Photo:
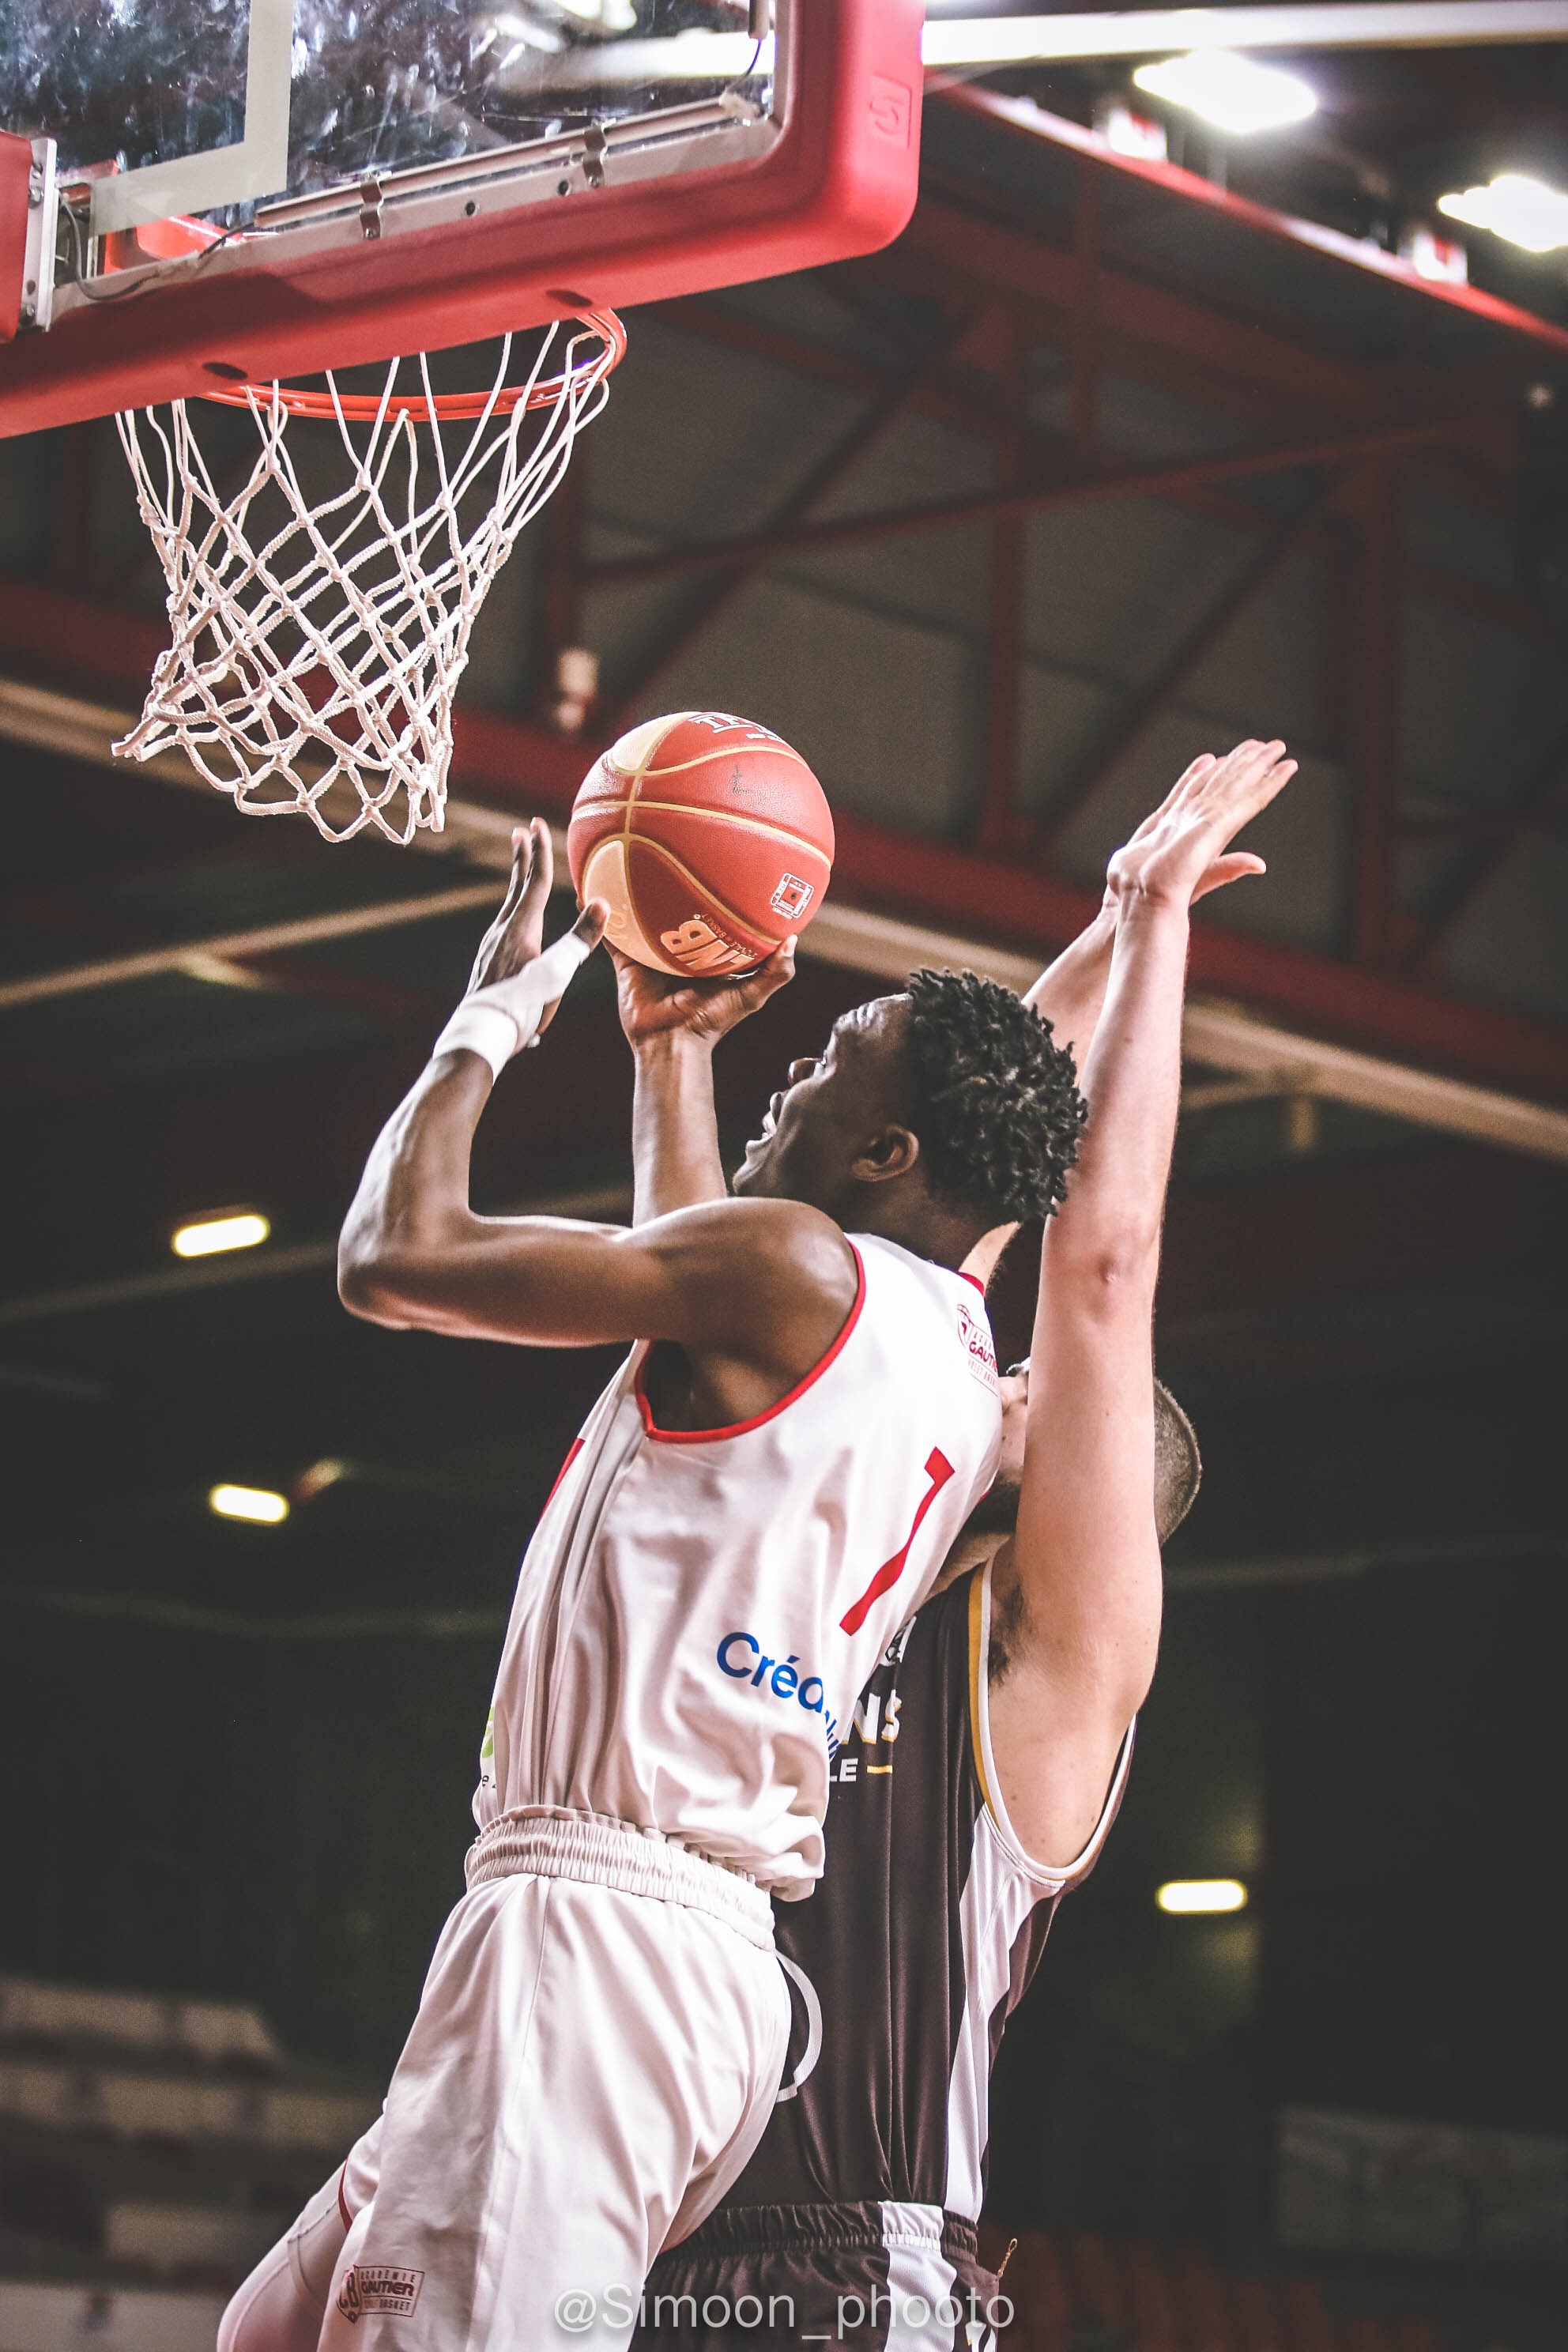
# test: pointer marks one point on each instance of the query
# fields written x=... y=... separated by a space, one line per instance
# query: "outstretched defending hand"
x=656 y=1004
x=1180 y=853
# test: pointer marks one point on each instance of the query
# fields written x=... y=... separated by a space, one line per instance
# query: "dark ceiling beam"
x=958 y=400
x=1149 y=707
x=1376 y=502
x=808 y=540
x=1243 y=365
x=512 y=765
x=718 y=596
x=1334 y=1228
x=1530 y=805
x=994 y=255
x=1005 y=646
x=72 y=557
x=558 y=615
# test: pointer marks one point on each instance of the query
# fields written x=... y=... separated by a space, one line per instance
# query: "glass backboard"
x=208 y=107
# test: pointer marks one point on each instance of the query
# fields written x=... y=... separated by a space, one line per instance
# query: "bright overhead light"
x=1524 y=211
x=1228 y=90
x=1202 y=1895
x=209 y=1234
x=263 y=1509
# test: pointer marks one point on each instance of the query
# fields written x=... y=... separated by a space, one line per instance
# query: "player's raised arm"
x=672 y=1026
x=765 y=1283
x=1077 y=1589
x=1070 y=994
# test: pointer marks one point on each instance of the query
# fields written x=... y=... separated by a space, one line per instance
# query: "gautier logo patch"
x=379 y=2287
x=974 y=1338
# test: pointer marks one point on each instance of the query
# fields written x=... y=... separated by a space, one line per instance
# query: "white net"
x=318 y=639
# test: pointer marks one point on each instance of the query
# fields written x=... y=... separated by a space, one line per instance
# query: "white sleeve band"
x=497 y=1022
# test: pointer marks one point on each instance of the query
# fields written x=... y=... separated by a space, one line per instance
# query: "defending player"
x=990 y=1748
x=754 y=1505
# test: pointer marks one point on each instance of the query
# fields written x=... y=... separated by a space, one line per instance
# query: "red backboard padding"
x=840 y=180
x=16 y=171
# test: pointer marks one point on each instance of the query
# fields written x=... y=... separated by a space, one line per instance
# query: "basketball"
x=707 y=837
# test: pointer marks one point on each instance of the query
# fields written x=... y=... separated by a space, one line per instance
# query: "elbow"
x=368 y=1284
x=1112 y=1271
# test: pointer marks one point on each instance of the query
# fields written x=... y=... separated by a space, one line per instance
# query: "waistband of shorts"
x=548 y=1842
x=851 y=2228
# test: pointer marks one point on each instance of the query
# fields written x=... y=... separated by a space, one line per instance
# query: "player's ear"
x=893 y=1152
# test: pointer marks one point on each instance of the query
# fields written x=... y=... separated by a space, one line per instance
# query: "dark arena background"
x=1108 y=460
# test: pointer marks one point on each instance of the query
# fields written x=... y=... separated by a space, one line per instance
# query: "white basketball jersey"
x=698 y=1609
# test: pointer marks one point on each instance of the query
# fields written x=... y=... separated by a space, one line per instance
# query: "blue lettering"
x=740 y=1673
x=761 y=1670
x=785 y=1678
x=812 y=1682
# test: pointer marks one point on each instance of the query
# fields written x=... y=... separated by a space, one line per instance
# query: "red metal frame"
x=1033 y=122
x=840 y=180
x=16 y=174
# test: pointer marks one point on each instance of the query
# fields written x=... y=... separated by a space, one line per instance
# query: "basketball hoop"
x=317 y=642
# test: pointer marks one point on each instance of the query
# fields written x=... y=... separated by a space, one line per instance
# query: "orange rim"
x=364 y=407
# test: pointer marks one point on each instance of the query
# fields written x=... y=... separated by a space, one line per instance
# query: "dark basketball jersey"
x=904 y=1967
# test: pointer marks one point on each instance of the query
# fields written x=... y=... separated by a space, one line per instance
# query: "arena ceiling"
x=1100 y=465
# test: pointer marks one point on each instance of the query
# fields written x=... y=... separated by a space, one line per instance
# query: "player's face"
x=832 y=1112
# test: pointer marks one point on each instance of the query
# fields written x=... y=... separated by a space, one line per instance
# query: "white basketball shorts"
x=593 y=2063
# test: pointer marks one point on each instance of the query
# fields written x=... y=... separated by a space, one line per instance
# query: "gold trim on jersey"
x=978 y=1631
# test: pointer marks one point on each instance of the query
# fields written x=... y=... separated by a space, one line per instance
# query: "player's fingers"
x=521 y=857
x=590 y=925
x=1185 y=782
x=539 y=879
x=769 y=977
x=1235 y=867
x=1248 y=782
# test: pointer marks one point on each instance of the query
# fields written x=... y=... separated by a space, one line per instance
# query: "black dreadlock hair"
x=995 y=1103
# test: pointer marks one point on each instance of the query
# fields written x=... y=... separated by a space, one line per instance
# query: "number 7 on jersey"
x=939 y=1470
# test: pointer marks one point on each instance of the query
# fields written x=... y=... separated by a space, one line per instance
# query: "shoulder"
x=770 y=1280
x=787 y=1234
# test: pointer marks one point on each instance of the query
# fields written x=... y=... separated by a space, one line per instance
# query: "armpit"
x=1009 y=1621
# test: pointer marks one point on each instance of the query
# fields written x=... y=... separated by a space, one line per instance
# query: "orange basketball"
x=709 y=839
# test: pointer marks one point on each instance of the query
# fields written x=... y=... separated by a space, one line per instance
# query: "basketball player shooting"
x=765 y=1491
x=805 y=2221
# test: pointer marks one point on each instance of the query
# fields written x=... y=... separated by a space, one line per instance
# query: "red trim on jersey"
x=573 y=1451
x=343 y=2201
x=974 y=1278
x=740 y=1428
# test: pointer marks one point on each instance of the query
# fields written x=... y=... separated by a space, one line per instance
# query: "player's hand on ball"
x=655 y=1004
x=1181 y=851
x=516 y=936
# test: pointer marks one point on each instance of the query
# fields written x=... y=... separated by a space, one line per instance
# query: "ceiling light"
x=1228 y=90
x=1441 y=259
x=1202 y=1895
x=209 y=1234
x=254 y=1503
x=1524 y=211
x=1131 y=134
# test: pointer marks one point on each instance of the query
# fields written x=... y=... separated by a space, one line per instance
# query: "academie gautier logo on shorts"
x=379 y=2287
